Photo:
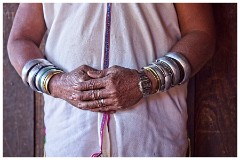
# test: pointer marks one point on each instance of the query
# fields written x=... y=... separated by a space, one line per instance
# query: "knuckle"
x=91 y=81
x=96 y=103
x=79 y=105
x=84 y=78
x=80 y=96
x=82 y=85
x=116 y=102
x=89 y=94
x=112 y=93
x=84 y=66
x=111 y=80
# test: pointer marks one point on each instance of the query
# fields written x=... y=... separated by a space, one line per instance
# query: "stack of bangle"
x=37 y=73
x=170 y=70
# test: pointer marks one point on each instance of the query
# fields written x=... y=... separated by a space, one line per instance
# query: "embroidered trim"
x=106 y=116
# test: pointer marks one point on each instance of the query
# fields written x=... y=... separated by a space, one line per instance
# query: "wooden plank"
x=39 y=125
x=216 y=91
x=18 y=101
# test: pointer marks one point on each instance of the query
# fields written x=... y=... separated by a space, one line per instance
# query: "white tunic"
x=140 y=33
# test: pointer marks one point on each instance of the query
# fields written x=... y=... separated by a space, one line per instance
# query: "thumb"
x=97 y=74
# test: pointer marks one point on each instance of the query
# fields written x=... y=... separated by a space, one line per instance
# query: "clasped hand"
x=109 y=90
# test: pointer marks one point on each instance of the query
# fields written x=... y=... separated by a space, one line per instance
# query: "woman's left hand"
x=112 y=89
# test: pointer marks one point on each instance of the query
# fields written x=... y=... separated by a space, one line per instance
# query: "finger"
x=90 y=85
x=90 y=95
x=87 y=105
x=111 y=112
x=109 y=109
x=87 y=68
x=79 y=76
x=97 y=74
x=103 y=110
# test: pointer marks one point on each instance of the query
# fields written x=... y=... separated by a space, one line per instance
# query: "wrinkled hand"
x=62 y=85
x=112 y=89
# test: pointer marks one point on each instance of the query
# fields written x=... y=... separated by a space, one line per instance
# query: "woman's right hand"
x=62 y=85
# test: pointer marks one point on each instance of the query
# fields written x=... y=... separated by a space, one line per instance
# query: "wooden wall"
x=212 y=97
x=216 y=91
x=23 y=128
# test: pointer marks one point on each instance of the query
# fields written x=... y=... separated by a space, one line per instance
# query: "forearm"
x=21 y=50
x=26 y=35
x=198 y=47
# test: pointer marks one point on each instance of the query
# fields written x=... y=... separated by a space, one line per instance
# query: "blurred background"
x=212 y=97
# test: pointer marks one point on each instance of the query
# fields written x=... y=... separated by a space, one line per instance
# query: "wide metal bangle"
x=184 y=63
x=29 y=65
x=26 y=69
x=174 y=67
x=32 y=74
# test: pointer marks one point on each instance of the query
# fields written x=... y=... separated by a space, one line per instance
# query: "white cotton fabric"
x=140 y=33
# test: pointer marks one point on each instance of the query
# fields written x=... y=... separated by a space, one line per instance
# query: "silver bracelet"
x=167 y=75
x=173 y=66
x=40 y=74
x=26 y=69
x=32 y=74
x=184 y=63
x=29 y=65
x=160 y=73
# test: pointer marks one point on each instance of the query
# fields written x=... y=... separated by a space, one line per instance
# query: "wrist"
x=53 y=85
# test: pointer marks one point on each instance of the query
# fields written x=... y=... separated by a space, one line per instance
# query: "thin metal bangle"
x=157 y=78
x=184 y=63
x=32 y=74
x=160 y=74
x=29 y=65
x=39 y=75
x=44 y=75
x=47 y=79
x=167 y=74
x=42 y=79
x=173 y=66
